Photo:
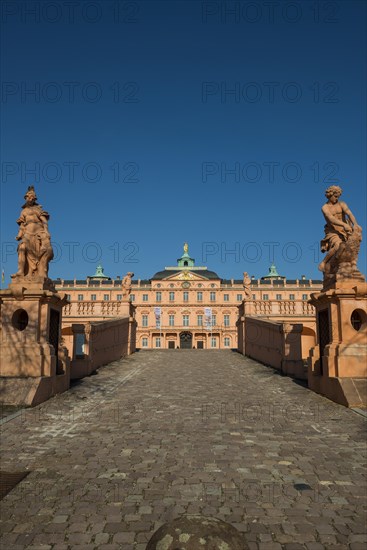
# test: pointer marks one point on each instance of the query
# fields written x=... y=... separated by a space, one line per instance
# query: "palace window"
x=212 y=296
x=145 y=297
x=226 y=320
x=304 y=296
x=158 y=342
x=227 y=342
x=265 y=296
x=119 y=297
x=93 y=297
x=68 y=296
x=144 y=320
x=199 y=296
x=226 y=297
x=239 y=297
x=185 y=296
x=213 y=342
x=106 y=297
x=292 y=296
x=185 y=320
x=214 y=320
x=132 y=297
x=200 y=320
x=171 y=320
x=254 y=296
x=144 y=342
x=171 y=296
x=158 y=296
x=80 y=297
x=278 y=297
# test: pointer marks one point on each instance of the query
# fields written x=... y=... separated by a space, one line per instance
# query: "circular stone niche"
x=358 y=319
x=20 y=319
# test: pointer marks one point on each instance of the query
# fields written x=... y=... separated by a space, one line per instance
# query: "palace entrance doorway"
x=186 y=340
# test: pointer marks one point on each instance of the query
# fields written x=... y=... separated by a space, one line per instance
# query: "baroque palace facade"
x=188 y=306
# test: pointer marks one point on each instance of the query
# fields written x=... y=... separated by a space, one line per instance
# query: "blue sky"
x=217 y=123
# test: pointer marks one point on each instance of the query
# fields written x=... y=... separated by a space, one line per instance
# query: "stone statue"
x=247 y=286
x=126 y=284
x=342 y=239
x=35 y=250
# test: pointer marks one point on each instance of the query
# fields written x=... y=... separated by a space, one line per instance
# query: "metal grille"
x=8 y=480
x=185 y=340
x=324 y=332
x=53 y=334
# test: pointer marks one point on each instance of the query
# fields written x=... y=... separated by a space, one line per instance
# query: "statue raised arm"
x=342 y=238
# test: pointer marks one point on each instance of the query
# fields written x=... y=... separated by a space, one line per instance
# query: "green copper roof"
x=273 y=273
x=99 y=273
x=185 y=260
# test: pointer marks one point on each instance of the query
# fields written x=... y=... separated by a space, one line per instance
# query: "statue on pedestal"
x=126 y=285
x=337 y=363
x=34 y=364
x=35 y=250
x=342 y=239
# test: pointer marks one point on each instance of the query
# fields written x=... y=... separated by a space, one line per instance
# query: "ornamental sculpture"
x=35 y=250
x=342 y=240
x=126 y=285
x=247 y=285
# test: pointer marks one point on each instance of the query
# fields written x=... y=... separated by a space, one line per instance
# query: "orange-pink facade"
x=185 y=306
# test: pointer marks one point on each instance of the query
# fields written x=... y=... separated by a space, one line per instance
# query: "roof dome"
x=273 y=273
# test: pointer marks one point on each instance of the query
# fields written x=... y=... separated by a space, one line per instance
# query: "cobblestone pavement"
x=166 y=432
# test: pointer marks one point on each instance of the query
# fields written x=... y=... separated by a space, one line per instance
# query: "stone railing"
x=308 y=309
x=96 y=343
x=263 y=307
x=280 y=307
x=277 y=344
x=95 y=309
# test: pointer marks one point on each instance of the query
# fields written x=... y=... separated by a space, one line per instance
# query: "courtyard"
x=162 y=433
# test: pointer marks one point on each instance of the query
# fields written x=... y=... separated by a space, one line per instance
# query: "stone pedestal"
x=245 y=309
x=337 y=365
x=34 y=365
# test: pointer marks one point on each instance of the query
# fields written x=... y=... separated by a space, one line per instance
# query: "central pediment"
x=186 y=276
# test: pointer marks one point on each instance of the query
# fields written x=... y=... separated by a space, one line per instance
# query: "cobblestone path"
x=166 y=432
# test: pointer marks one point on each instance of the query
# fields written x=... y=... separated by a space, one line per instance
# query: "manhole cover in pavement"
x=8 y=480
